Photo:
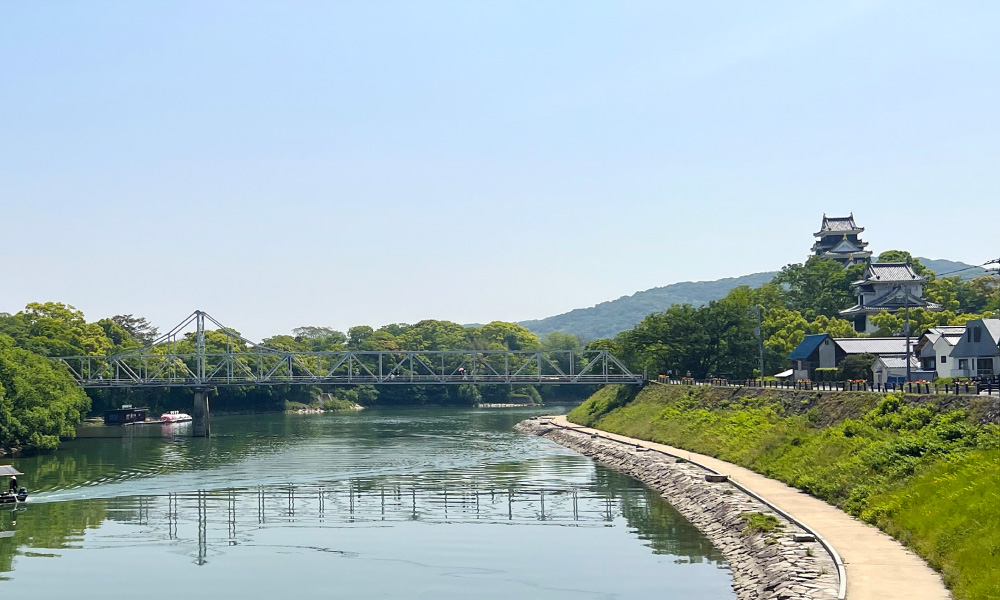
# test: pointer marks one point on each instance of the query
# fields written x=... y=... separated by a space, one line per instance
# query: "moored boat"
x=175 y=417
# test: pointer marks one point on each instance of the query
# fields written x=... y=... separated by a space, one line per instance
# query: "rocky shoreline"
x=779 y=561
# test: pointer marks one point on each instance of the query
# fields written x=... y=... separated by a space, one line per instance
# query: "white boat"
x=175 y=417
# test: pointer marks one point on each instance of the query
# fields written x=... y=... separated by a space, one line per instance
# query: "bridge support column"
x=202 y=423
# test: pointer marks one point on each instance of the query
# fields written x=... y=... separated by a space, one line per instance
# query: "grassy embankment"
x=928 y=476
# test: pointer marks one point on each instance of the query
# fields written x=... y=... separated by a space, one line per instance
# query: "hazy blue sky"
x=320 y=163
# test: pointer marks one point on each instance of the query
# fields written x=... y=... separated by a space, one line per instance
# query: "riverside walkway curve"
x=877 y=566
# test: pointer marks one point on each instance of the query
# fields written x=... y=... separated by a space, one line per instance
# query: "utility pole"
x=995 y=261
x=760 y=339
x=907 y=327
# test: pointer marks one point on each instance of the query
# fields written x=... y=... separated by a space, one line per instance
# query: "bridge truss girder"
x=452 y=367
x=243 y=362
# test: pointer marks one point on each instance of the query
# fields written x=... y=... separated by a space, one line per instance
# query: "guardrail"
x=974 y=388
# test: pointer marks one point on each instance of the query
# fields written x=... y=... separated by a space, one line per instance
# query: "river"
x=428 y=503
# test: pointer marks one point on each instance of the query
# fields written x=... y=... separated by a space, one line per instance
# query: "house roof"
x=898 y=361
x=950 y=333
x=993 y=326
x=987 y=344
x=807 y=346
x=892 y=345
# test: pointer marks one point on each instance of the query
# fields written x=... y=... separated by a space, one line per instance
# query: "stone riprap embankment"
x=765 y=564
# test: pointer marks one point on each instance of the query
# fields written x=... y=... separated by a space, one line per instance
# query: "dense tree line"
x=40 y=402
x=720 y=338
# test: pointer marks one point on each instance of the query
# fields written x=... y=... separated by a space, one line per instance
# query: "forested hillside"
x=608 y=319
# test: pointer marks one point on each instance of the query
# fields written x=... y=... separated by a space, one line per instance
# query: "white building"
x=888 y=287
x=977 y=353
x=934 y=349
x=891 y=368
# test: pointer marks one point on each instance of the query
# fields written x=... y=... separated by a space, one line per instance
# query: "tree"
x=432 y=334
x=856 y=366
x=980 y=295
x=121 y=340
x=611 y=346
x=890 y=324
x=901 y=256
x=558 y=340
x=39 y=400
x=819 y=286
x=358 y=334
x=976 y=296
x=138 y=328
x=508 y=336
x=55 y=329
x=717 y=339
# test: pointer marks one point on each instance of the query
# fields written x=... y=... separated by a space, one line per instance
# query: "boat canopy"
x=9 y=471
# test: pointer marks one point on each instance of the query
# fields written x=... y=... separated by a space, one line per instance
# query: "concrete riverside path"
x=878 y=567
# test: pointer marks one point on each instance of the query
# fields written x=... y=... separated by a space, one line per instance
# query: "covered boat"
x=15 y=494
x=175 y=417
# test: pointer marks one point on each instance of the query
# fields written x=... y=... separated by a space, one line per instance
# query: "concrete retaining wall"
x=765 y=565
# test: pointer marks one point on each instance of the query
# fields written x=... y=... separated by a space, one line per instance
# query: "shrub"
x=827 y=374
x=759 y=523
x=856 y=366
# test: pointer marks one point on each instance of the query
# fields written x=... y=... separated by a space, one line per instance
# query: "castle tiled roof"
x=846 y=246
x=885 y=272
x=896 y=299
x=833 y=224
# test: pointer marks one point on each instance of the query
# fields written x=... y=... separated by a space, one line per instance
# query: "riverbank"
x=770 y=555
x=923 y=472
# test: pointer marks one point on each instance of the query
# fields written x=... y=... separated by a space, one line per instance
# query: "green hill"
x=951 y=268
x=607 y=319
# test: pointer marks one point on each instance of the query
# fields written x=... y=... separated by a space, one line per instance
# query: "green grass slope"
x=927 y=476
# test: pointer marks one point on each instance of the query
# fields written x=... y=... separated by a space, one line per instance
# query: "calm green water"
x=379 y=504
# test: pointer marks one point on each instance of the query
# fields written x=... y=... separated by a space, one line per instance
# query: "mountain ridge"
x=607 y=319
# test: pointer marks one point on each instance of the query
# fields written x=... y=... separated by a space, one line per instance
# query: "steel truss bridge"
x=172 y=361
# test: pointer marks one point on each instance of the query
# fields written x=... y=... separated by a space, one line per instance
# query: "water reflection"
x=429 y=494
x=209 y=520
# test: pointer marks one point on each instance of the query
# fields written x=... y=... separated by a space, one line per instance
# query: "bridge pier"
x=201 y=420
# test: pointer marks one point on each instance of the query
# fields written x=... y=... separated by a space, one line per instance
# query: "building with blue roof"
x=823 y=351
